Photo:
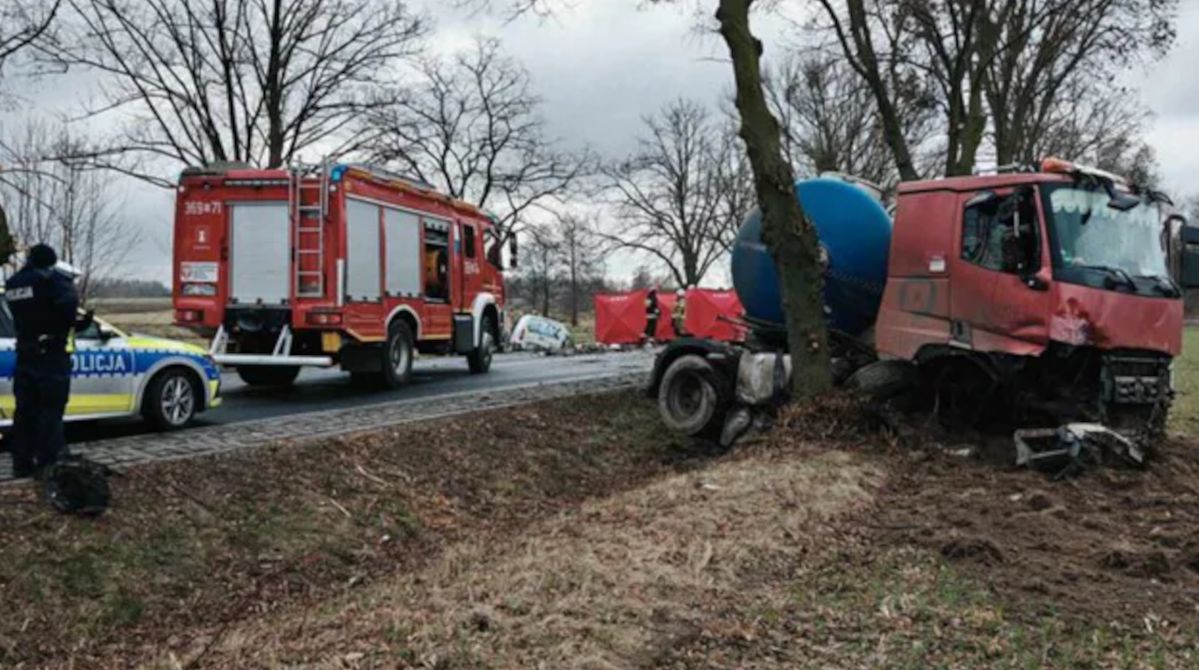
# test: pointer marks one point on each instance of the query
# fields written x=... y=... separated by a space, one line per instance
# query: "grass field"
x=143 y=316
x=1184 y=416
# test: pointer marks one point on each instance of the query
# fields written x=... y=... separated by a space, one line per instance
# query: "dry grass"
x=191 y=544
x=607 y=585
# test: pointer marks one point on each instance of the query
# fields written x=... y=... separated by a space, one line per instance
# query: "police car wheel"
x=171 y=400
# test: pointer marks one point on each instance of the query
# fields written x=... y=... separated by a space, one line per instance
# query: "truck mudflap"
x=281 y=355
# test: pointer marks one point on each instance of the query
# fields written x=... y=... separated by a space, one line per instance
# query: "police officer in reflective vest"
x=44 y=307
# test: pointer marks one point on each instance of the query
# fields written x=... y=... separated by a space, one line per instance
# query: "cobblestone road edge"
x=135 y=450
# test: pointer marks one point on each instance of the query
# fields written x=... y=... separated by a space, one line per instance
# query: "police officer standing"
x=44 y=306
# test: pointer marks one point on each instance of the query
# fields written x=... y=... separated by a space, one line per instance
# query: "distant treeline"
x=128 y=288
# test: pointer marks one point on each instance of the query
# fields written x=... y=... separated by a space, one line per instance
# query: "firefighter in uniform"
x=44 y=307
x=679 y=314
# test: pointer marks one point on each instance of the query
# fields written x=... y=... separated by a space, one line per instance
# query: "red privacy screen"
x=709 y=312
x=620 y=317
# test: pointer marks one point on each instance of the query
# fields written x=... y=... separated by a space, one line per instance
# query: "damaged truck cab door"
x=1000 y=272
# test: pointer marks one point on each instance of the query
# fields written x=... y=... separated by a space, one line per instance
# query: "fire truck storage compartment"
x=401 y=232
x=259 y=253
x=362 y=251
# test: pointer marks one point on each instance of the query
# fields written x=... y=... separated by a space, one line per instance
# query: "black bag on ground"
x=78 y=486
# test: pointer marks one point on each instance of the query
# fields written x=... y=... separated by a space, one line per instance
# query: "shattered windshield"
x=1091 y=234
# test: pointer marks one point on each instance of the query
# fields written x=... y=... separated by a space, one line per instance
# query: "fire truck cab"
x=338 y=264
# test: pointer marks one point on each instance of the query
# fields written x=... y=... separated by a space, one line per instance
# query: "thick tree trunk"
x=789 y=235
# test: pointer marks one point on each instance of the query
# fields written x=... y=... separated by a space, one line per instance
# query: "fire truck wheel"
x=268 y=375
x=397 y=360
x=480 y=358
x=688 y=397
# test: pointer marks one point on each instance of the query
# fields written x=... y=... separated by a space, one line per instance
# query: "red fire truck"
x=336 y=264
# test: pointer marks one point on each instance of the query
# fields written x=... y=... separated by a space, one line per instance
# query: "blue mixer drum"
x=855 y=232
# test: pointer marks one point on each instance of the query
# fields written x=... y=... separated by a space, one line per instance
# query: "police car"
x=114 y=374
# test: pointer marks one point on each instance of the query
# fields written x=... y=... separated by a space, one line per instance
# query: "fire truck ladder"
x=309 y=211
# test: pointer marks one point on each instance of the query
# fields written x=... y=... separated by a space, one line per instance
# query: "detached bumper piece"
x=1071 y=448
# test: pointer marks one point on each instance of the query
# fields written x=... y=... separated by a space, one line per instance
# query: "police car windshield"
x=1090 y=234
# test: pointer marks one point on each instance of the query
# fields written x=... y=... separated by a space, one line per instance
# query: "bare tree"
x=21 y=23
x=1100 y=129
x=579 y=248
x=644 y=277
x=995 y=64
x=1056 y=54
x=734 y=183
x=63 y=204
x=258 y=81
x=24 y=21
x=874 y=42
x=830 y=120
x=671 y=194
x=542 y=260
x=471 y=127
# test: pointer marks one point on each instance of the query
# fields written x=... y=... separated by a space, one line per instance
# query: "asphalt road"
x=318 y=389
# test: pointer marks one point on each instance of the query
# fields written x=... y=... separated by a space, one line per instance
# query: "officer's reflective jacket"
x=44 y=305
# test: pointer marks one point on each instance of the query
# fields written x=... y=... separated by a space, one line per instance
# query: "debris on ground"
x=1071 y=448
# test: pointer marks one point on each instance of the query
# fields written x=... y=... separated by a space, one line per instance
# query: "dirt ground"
x=578 y=534
x=963 y=563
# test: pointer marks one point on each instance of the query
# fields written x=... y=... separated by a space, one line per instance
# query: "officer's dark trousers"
x=41 y=384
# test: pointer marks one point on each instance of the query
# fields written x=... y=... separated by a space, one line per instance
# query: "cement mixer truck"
x=1033 y=296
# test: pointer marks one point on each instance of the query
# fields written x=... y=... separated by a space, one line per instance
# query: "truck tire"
x=480 y=359
x=268 y=375
x=883 y=380
x=172 y=399
x=397 y=356
x=689 y=398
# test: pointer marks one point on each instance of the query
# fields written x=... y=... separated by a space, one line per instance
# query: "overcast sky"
x=601 y=67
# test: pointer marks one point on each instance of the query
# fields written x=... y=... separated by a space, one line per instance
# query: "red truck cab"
x=334 y=265
x=1055 y=284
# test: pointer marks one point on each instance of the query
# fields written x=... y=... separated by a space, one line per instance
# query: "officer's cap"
x=43 y=256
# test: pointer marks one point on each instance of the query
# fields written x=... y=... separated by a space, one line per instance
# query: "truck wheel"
x=268 y=375
x=883 y=380
x=688 y=397
x=480 y=358
x=397 y=356
x=172 y=399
